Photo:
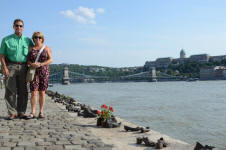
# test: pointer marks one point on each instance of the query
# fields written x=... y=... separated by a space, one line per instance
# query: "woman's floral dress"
x=41 y=78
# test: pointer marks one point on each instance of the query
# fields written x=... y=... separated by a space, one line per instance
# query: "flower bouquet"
x=104 y=114
x=105 y=117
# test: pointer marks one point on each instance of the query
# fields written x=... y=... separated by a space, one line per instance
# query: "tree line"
x=95 y=70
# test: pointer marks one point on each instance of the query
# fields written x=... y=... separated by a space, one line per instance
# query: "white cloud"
x=81 y=19
x=68 y=13
x=87 y=12
x=82 y=14
x=100 y=10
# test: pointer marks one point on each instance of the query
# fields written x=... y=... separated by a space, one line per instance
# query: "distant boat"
x=50 y=85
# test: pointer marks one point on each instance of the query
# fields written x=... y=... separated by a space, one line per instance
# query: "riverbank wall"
x=61 y=130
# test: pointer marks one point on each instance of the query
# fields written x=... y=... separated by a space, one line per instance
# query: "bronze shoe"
x=148 y=142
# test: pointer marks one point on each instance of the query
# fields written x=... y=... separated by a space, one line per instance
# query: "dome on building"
x=182 y=53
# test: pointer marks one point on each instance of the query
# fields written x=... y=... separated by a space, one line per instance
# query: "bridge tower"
x=66 y=79
x=153 y=74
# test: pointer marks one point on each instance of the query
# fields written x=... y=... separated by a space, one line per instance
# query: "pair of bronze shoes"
x=159 y=145
x=199 y=146
x=141 y=129
x=146 y=141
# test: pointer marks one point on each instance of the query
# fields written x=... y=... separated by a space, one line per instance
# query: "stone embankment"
x=58 y=131
x=62 y=130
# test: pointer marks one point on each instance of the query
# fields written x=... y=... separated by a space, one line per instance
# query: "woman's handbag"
x=30 y=74
x=31 y=70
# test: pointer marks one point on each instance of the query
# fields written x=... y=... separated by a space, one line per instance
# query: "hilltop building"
x=182 y=54
x=200 y=58
x=165 y=62
x=218 y=58
x=213 y=73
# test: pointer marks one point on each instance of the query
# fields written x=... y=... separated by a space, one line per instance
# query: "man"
x=13 y=56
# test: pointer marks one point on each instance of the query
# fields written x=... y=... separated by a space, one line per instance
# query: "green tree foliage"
x=95 y=70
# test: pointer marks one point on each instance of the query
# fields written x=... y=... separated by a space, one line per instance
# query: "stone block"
x=63 y=142
x=8 y=144
x=72 y=147
x=18 y=148
x=55 y=147
x=34 y=148
x=26 y=143
x=44 y=143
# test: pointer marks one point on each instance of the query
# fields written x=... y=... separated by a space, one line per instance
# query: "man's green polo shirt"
x=15 y=48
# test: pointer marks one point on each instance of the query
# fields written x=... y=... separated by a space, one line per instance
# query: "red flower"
x=111 y=109
x=105 y=112
x=98 y=112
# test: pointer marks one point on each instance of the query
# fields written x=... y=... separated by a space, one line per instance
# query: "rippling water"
x=189 y=111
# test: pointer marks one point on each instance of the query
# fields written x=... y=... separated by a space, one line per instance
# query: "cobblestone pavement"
x=57 y=131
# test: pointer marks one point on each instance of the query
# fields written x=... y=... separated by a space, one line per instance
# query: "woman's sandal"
x=31 y=116
x=41 y=115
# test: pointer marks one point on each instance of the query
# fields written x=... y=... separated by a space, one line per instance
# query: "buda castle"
x=166 y=61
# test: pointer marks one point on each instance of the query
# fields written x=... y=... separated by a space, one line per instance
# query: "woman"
x=40 y=82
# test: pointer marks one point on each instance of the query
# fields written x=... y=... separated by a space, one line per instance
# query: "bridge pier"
x=66 y=79
x=153 y=75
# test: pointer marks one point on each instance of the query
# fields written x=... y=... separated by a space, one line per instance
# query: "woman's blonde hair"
x=38 y=33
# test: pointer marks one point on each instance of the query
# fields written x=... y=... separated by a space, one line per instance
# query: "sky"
x=120 y=33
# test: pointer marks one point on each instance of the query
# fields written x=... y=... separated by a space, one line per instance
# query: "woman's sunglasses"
x=38 y=37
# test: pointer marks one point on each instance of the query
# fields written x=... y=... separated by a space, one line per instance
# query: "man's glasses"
x=38 y=37
x=17 y=25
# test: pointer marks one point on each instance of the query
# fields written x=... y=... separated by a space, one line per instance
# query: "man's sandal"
x=11 y=117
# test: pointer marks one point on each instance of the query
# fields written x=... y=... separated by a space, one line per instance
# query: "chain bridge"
x=66 y=77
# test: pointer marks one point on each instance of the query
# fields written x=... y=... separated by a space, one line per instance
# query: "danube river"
x=189 y=111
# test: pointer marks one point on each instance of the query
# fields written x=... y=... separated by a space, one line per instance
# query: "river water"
x=189 y=111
